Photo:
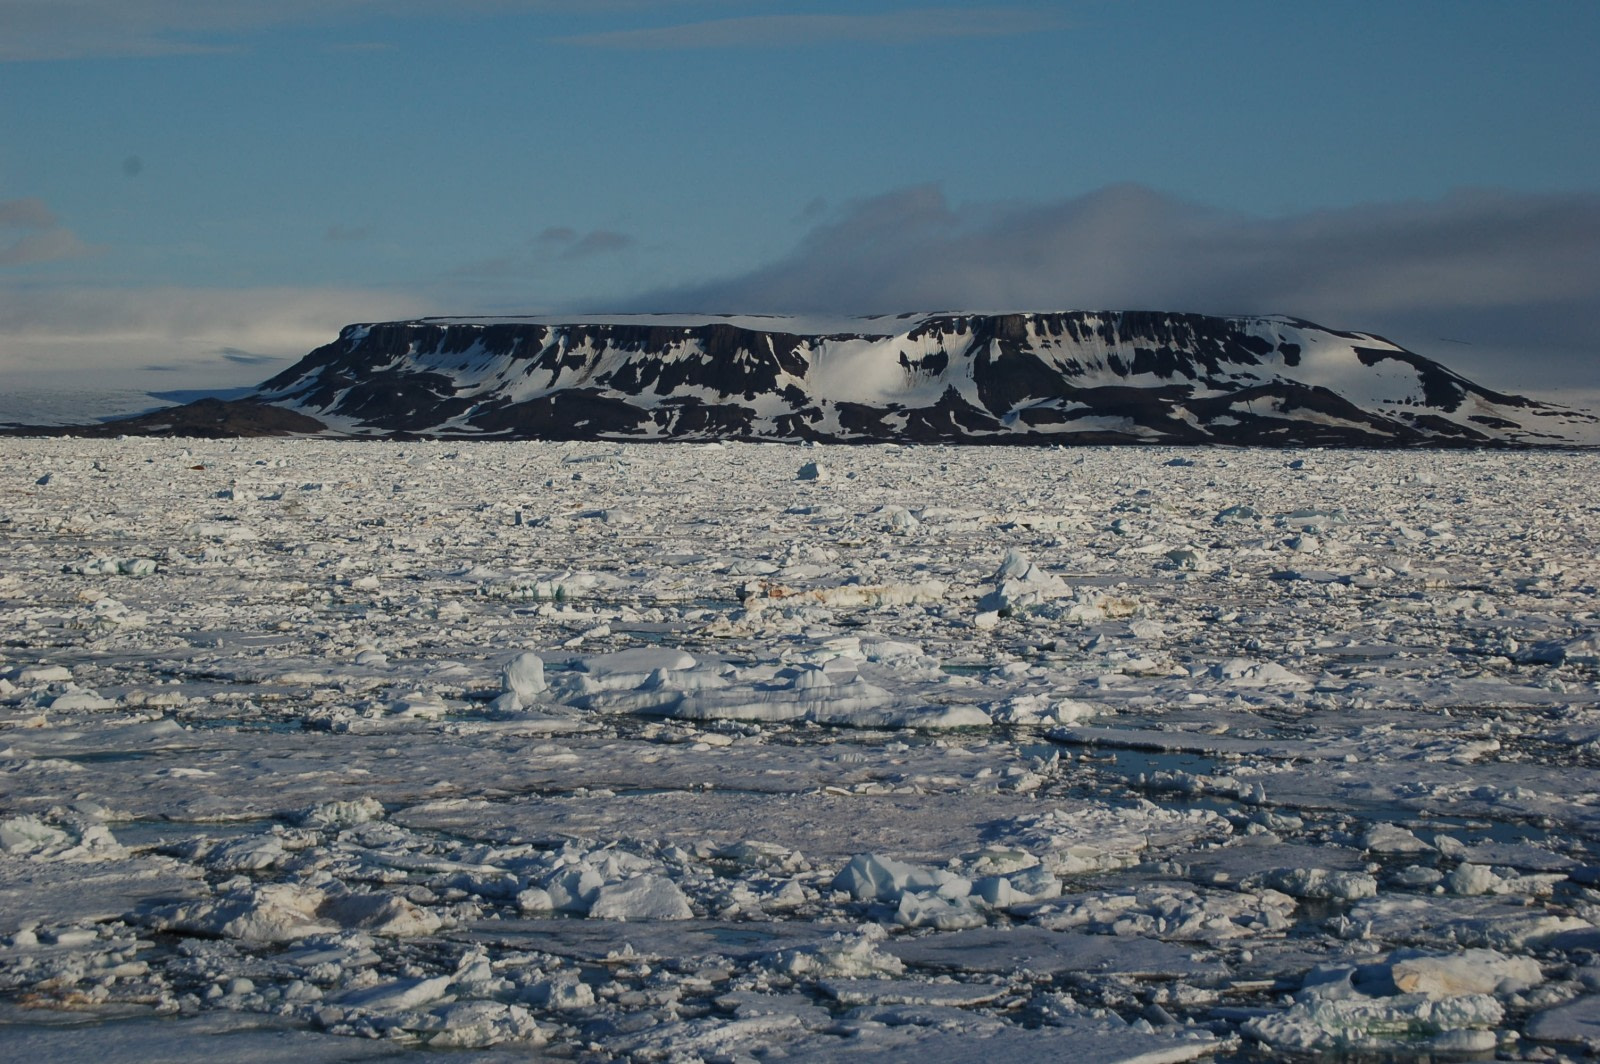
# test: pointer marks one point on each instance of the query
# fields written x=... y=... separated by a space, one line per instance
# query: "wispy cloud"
x=767 y=31
x=1518 y=275
x=31 y=233
x=556 y=243
x=41 y=30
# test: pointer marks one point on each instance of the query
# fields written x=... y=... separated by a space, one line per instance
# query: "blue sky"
x=192 y=191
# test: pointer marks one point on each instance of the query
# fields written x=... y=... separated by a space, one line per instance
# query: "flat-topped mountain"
x=1074 y=377
x=1085 y=377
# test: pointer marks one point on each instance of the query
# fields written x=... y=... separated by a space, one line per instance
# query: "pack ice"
x=737 y=752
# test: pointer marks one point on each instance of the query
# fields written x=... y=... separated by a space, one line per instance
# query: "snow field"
x=678 y=751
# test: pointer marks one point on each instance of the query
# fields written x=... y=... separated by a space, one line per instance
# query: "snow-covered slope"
x=1044 y=377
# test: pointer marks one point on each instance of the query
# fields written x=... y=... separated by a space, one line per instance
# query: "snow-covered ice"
x=672 y=752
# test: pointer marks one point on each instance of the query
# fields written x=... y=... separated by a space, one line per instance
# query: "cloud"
x=766 y=31
x=598 y=242
x=1516 y=275
x=30 y=233
x=31 y=213
x=40 y=30
x=557 y=243
x=246 y=358
x=216 y=337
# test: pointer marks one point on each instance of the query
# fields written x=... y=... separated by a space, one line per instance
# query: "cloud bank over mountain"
x=1499 y=284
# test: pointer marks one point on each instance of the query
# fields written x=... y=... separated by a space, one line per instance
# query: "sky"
x=194 y=193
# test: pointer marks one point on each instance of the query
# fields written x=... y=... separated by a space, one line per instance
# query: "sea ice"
x=644 y=753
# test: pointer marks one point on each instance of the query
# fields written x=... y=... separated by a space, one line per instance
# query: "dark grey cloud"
x=246 y=358
x=766 y=31
x=1503 y=285
x=30 y=233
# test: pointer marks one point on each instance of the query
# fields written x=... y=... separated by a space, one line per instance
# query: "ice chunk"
x=1451 y=921
x=30 y=835
x=80 y=701
x=570 y=890
x=41 y=674
x=872 y=877
x=1016 y=888
x=477 y=1025
x=1372 y=1023
x=523 y=676
x=380 y=914
x=398 y=994
x=1019 y=585
x=647 y=897
x=420 y=705
x=1391 y=839
x=1318 y=883
x=1473 y=971
x=1241 y=514
x=1175 y=913
x=1095 y=839
x=72 y=838
x=341 y=814
x=844 y=955
x=1241 y=672
x=249 y=853
x=931 y=910
x=639 y=662
x=1471 y=879
x=276 y=912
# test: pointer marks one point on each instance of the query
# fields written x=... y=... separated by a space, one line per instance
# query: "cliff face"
x=1089 y=377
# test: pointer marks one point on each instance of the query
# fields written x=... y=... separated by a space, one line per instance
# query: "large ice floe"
x=738 y=753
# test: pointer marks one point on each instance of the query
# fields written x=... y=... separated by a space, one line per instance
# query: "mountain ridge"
x=1035 y=377
x=1062 y=377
